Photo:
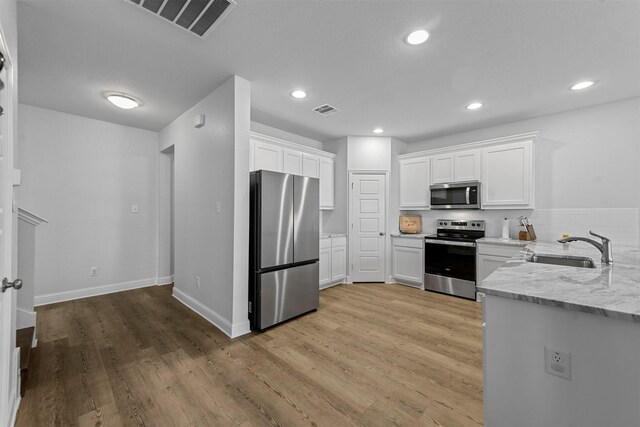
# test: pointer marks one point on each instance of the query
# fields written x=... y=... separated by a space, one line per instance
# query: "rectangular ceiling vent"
x=326 y=110
x=199 y=17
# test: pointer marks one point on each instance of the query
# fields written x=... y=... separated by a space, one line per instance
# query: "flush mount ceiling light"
x=582 y=85
x=474 y=105
x=417 y=37
x=120 y=100
x=378 y=130
x=299 y=94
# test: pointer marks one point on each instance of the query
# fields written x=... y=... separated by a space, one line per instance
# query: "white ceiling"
x=518 y=57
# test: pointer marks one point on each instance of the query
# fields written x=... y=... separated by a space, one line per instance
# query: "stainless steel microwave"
x=456 y=195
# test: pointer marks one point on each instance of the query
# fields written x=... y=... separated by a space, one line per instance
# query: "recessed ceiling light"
x=417 y=37
x=122 y=101
x=378 y=130
x=474 y=105
x=299 y=94
x=582 y=85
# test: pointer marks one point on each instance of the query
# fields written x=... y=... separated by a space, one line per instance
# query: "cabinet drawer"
x=499 y=250
x=325 y=243
x=338 y=241
x=408 y=242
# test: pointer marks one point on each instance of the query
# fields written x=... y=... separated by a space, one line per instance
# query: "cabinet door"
x=292 y=162
x=467 y=166
x=442 y=169
x=407 y=264
x=310 y=165
x=326 y=184
x=325 y=266
x=267 y=157
x=487 y=264
x=414 y=183
x=507 y=177
x=338 y=263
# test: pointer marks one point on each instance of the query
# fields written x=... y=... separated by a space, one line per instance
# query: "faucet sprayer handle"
x=604 y=239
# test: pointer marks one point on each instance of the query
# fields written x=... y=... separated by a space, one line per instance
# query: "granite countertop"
x=610 y=291
x=501 y=241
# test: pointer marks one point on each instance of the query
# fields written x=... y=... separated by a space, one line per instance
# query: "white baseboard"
x=165 y=280
x=232 y=331
x=331 y=285
x=92 y=292
x=25 y=318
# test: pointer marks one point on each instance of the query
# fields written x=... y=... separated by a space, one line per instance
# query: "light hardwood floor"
x=372 y=355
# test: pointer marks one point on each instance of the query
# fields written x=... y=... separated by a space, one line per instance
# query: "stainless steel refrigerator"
x=284 y=247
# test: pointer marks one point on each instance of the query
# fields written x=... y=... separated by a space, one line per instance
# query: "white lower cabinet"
x=408 y=260
x=333 y=261
x=491 y=257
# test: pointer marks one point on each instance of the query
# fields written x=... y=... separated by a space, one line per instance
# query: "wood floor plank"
x=372 y=355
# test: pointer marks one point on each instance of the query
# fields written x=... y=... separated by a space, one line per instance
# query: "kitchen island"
x=592 y=315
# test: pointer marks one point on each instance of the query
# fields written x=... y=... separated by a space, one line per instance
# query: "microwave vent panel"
x=199 y=17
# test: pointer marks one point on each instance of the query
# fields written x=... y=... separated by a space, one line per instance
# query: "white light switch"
x=218 y=207
x=134 y=208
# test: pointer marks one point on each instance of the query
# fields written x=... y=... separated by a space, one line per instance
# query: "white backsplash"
x=619 y=224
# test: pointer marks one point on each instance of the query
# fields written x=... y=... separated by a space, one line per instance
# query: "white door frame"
x=9 y=355
x=386 y=240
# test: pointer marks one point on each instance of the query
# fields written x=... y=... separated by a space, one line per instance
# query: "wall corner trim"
x=232 y=331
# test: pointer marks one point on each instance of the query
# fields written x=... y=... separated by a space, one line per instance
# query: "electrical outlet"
x=134 y=209
x=557 y=362
x=218 y=207
x=198 y=281
x=93 y=271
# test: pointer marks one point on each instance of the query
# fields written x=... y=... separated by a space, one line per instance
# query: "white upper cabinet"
x=326 y=184
x=292 y=162
x=277 y=155
x=267 y=156
x=310 y=165
x=507 y=178
x=466 y=166
x=455 y=167
x=414 y=183
x=442 y=168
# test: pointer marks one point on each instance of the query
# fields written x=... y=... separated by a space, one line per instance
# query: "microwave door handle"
x=467 y=194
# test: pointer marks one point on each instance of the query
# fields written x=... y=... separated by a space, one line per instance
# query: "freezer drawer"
x=287 y=293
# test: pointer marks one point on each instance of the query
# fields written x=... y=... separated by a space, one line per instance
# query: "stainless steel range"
x=450 y=257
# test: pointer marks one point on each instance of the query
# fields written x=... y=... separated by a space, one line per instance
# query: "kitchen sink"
x=566 y=260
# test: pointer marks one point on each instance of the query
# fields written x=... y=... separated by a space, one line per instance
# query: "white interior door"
x=368 y=227
x=8 y=356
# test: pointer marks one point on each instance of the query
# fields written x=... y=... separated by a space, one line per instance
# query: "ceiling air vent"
x=199 y=17
x=326 y=110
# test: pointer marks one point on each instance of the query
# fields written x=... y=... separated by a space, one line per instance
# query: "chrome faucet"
x=604 y=247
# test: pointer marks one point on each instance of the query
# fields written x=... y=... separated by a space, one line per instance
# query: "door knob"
x=6 y=284
x=381 y=233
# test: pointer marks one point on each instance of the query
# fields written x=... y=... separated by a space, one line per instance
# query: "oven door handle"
x=450 y=243
x=467 y=194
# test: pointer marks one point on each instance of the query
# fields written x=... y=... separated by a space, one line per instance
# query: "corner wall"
x=211 y=170
x=84 y=175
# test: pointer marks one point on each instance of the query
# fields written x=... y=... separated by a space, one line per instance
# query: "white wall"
x=368 y=153
x=604 y=389
x=83 y=175
x=585 y=159
x=211 y=167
